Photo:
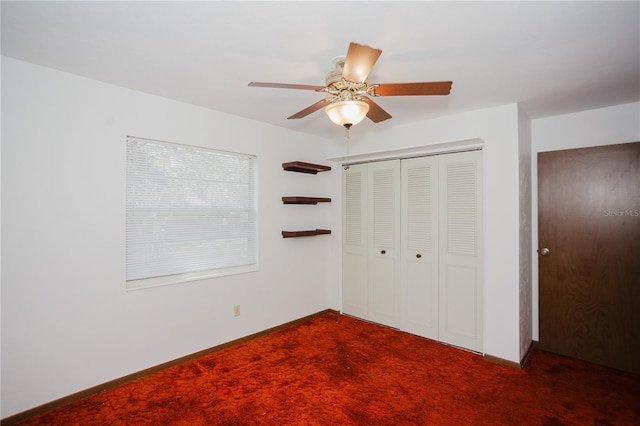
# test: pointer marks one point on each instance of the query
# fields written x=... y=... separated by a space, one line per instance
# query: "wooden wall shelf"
x=309 y=233
x=305 y=200
x=310 y=168
x=302 y=167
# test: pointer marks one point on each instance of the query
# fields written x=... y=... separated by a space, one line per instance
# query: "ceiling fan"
x=350 y=94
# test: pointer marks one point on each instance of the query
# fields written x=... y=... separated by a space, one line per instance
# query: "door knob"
x=544 y=251
x=383 y=251
x=418 y=255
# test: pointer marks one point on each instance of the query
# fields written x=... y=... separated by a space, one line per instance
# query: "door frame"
x=535 y=264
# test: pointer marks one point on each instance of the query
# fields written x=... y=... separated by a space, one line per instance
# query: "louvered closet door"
x=419 y=259
x=461 y=272
x=384 y=242
x=355 y=284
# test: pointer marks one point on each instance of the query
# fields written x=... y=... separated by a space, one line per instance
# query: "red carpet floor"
x=336 y=370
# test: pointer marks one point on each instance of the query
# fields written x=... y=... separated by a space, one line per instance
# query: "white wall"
x=604 y=126
x=67 y=322
x=498 y=129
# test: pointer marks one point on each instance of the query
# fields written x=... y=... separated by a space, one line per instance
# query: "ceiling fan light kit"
x=347 y=113
x=350 y=99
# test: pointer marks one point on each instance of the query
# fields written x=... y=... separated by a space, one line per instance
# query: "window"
x=191 y=213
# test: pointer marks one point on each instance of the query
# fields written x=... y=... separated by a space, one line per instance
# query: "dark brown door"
x=589 y=254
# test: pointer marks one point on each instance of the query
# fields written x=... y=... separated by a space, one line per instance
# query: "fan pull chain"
x=347 y=167
x=347 y=126
x=347 y=143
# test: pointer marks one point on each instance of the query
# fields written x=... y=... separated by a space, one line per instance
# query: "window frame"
x=194 y=275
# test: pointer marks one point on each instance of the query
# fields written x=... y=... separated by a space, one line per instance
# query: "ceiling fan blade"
x=286 y=86
x=359 y=62
x=312 y=108
x=413 y=89
x=376 y=113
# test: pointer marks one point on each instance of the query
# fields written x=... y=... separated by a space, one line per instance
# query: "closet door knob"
x=383 y=251
x=418 y=255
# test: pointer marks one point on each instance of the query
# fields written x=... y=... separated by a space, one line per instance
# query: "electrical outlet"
x=236 y=311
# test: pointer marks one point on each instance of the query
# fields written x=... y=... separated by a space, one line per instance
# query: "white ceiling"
x=552 y=57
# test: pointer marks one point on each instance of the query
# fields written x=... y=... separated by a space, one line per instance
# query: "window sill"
x=144 y=283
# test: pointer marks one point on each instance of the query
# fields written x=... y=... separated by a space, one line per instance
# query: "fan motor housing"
x=340 y=87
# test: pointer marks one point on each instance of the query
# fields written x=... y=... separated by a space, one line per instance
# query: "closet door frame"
x=383 y=282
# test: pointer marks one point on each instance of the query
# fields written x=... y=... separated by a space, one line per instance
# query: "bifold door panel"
x=461 y=265
x=420 y=246
x=355 y=295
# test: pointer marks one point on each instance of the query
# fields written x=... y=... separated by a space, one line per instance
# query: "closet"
x=412 y=245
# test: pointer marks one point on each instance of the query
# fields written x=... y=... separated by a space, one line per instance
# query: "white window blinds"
x=191 y=213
